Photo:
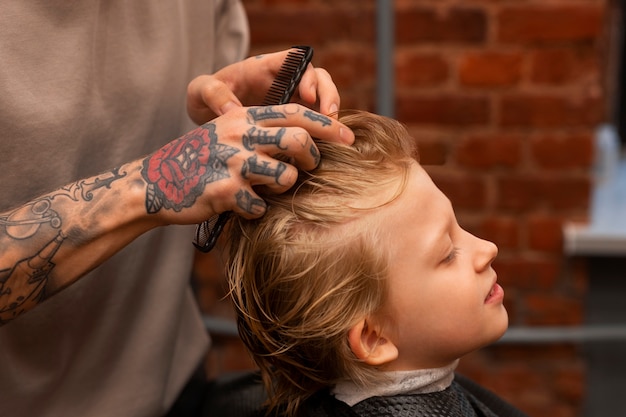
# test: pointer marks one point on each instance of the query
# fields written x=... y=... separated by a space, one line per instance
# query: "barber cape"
x=463 y=398
x=243 y=396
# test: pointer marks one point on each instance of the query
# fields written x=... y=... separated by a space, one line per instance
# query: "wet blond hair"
x=308 y=270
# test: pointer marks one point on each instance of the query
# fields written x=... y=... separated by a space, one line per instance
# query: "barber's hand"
x=214 y=168
x=246 y=83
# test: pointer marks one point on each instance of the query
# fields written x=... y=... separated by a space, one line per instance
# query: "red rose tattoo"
x=177 y=173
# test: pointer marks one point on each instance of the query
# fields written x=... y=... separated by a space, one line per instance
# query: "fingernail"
x=346 y=135
x=333 y=108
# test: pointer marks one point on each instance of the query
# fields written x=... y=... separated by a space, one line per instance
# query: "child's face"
x=443 y=298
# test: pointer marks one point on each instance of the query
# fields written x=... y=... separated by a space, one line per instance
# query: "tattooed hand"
x=247 y=82
x=215 y=167
x=56 y=238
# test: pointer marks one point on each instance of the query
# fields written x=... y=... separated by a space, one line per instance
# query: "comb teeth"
x=288 y=76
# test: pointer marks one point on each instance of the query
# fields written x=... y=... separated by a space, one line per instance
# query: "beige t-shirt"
x=86 y=85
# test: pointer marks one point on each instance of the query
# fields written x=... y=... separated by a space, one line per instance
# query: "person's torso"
x=86 y=86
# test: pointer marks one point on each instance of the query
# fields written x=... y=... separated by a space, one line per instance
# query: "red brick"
x=514 y=378
x=506 y=377
x=470 y=223
x=310 y=25
x=456 y=25
x=563 y=152
x=210 y=282
x=359 y=98
x=553 y=309
x=420 y=69
x=432 y=151
x=550 y=111
x=490 y=69
x=565 y=192
x=522 y=192
x=279 y=3
x=501 y=230
x=549 y=23
x=545 y=234
x=463 y=190
x=537 y=273
x=553 y=354
x=578 y=275
x=569 y=383
x=512 y=303
x=441 y=109
x=503 y=368
x=515 y=192
x=562 y=65
x=489 y=151
x=341 y=63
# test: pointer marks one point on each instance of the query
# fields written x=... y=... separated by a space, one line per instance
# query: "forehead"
x=421 y=200
x=419 y=216
x=421 y=209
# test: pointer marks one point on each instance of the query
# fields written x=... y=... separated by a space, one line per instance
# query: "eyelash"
x=451 y=256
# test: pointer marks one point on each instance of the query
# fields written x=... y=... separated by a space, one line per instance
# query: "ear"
x=369 y=345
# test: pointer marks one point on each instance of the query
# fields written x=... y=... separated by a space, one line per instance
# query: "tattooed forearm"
x=177 y=173
x=33 y=234
x=25 y=221
x=84 y=189
x=23 y=286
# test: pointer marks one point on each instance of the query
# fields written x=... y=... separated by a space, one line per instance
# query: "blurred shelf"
x=605 y=234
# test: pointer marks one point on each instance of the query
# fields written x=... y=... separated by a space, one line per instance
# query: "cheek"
x=449 y=291
x=453 y=304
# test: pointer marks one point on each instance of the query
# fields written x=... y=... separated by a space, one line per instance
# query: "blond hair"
x=307 y=271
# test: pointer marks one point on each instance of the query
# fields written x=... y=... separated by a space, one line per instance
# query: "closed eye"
x=451 y=256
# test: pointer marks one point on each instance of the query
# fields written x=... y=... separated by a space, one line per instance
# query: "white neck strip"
x=420 y=381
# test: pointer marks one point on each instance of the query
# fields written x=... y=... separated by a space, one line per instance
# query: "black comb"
x=280 y=92
x=289 y=76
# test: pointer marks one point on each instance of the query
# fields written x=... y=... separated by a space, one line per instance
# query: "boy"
x=358 y=291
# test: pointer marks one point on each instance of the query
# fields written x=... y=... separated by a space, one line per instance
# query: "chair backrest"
x=236 y=394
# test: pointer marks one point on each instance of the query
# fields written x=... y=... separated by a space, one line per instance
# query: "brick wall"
x=503 y=97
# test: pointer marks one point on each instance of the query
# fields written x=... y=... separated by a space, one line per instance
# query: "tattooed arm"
x=50 y=242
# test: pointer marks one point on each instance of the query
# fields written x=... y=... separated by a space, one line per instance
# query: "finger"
x=307 y=89
x=328 y=94
x=292 y=144
x=294 y=115
x=249 y=204
x=207 y=97
x=256 y=77
x=317 y=84
x=275 y=175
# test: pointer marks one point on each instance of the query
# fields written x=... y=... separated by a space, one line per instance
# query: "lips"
x=496 y=294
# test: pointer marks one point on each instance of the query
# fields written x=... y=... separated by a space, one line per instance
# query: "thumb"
x=207 y=98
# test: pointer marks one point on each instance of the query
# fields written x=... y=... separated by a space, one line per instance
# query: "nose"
x=486 y=253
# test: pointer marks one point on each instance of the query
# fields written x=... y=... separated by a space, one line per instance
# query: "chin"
x=501 y=326
x=497 y=328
